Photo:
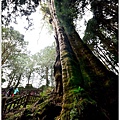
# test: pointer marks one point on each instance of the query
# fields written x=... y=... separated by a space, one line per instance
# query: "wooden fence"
x=11 y=104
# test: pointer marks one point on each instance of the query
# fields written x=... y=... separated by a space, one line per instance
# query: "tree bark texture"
x=71 y=79
x=87 y=84
x=58 y=69
x=101 y=84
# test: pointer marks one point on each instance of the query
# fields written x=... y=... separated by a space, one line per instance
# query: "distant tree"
x=13 y=46
x=45 y=61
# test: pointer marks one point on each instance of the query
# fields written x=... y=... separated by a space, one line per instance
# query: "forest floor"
x=46 y=108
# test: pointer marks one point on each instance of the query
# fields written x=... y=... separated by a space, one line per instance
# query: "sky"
x=38 y=37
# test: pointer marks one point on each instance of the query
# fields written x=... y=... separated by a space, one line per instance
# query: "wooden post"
x=3 y=106
x=3 y=103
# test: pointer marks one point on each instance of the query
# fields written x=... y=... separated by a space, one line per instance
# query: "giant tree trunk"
x=87 y=84
x=71 y=75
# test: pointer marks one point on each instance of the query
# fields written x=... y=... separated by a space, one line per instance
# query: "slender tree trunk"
x=51 y=76
x=18 y=82
x=29 y=77
x=46 y=73
x=11 y=80
x=6 y=57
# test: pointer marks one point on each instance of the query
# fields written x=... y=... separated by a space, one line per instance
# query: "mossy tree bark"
x=87 y=84
x=70 y=78
x=101 y=84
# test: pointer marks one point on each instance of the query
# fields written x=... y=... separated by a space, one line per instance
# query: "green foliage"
x=12 y=116
x=66 y=13
x=77 y=90
x=12 y=43
x=13 y=62
x=45 y=91
x=16 y=59
x=3 y=80
x=74 y=80
x=48 y=56
x=45 y=9
x=44 y=62
x=74 y=114
x=28 y=106
x=17 y=8
x=102 y=43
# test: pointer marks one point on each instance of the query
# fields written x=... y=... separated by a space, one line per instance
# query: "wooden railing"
x=12 y=104
x=32 y=99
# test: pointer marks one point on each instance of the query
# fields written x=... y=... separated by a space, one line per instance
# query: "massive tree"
x=45 y=60
x=12 y=43
x=91 y=73
x=13 y=46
